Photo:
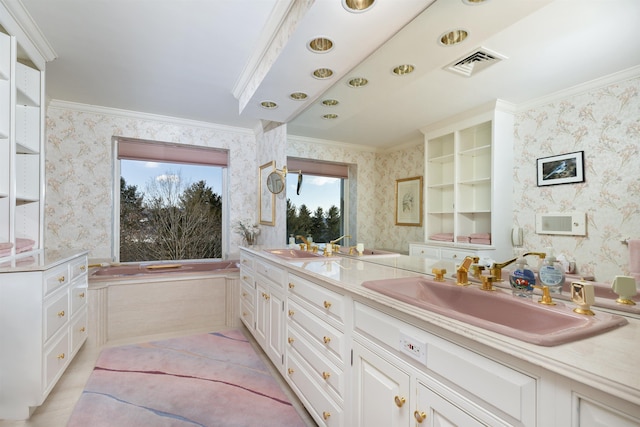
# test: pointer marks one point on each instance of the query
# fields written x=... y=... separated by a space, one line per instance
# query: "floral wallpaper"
x=605 y=124
x=79 y=162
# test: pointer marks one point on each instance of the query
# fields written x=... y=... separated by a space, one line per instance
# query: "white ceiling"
x=215 y=60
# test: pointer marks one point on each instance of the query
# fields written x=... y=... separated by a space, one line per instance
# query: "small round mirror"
x=275 y=182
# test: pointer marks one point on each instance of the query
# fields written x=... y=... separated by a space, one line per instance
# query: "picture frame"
x=266 y=199
x=561 y=169
x=409 y=201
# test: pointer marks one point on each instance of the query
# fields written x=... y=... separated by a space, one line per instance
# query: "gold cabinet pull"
x=60 y=356
x=419 y=416
x=291 y=312
x=82 y=329
x=245 y=277
x=327 y=304
x=60 y=279
x=326 y=340
x=291 y=285
x=326 y=375
x=290 y=340
x=326 y=415
x=400 y=401
x=83 y=267
x=244 y=294
x=244 y=314
x=290 y=371
x=267 y=296
x=81 y=295
x=61 y=313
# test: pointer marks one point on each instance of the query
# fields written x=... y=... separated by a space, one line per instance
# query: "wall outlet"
x=413 y=347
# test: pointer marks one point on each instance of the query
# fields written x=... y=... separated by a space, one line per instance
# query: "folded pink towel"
x=480 y=235
x=634 y=256
x=24 y=245
x=442 y=237
x=480 y=241
x=5 y=252
x=5 y=245
x=462 y=239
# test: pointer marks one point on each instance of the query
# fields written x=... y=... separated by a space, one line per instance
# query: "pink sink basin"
x=498 y=311
x=293 y=253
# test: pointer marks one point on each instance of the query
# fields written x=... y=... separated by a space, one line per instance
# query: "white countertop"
x=38 y=260
x=609 y=362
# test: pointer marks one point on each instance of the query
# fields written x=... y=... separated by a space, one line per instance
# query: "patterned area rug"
x=214 y=379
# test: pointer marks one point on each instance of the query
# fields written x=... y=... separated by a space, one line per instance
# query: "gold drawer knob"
x=82 y=329
x=327 y=304
x=290 y=371
x=290 y=340
x=291 y=285
x=60 y=279
x=326 y=340
x=83 y=267
x=326 y=375
x=244 y=294
x=400 y=401
x=326 y=415
x=419 y=416
x=81 y=295
x=291 y=312
x=60 y=356
x=244 y=314
x=61 y=313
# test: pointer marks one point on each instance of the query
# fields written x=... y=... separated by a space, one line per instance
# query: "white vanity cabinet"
x=468 y=168
x=247 y=292
x=43 y=313
x=269 y=310
x=317 y=349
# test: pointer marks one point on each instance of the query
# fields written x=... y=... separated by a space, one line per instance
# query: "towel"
x=462 y=239
x=24 y=245
x=480 y=241
x=486 y=236
x=634 y=256
x=442 y=237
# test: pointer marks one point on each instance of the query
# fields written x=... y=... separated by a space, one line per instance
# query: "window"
x=319 y=209
x=170 y=201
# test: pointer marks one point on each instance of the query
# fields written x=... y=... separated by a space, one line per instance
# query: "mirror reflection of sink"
x=498 y=311
x=366 y=253
x=293 y=253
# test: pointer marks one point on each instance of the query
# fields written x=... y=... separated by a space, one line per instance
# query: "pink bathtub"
x=142 y=270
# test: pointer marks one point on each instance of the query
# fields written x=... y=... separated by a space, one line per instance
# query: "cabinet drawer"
x=328 y=340
x=55 y=360
x=248 y=294
x=271 y=272
x=78 y=330
x=324 y=410
x=56 y=313
x=329 y=304
x=78 y=267
x=328 y=377
x=456 y=255
x=509 y=390
x=246 y=261
x=424 y=251
x=247 y=315
x=246 y=277
x=55 y=278
x=78 y=296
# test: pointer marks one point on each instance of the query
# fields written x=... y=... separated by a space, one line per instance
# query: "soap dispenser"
x=522 y=279
x=551 y=273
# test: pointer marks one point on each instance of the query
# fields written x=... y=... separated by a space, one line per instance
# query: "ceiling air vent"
x=474 y=62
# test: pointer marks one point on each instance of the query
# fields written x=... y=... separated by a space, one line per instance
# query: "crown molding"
x=115 y=112
x=330 y=143
x=29 y=36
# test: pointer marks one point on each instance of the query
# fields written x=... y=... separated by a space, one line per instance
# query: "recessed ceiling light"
x=453 y=37
x=320 y=45
x=323 y=73
x=330 y=102
x=269 y=105
x=401 y=70
x=330 y=116
x=298 y=96
x=358 y=82
x=357 y=5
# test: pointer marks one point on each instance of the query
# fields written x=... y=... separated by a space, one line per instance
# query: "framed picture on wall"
x=409 y=201
x=266 y=199
x=561 y=169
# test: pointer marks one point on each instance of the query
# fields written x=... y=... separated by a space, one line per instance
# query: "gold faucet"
x=496 y=268
x=462 y=272
x=307 y=245
x=336 y=247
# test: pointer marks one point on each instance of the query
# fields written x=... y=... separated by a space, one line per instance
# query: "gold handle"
x=60 y=356
x=61 y=313
x=400 y=401
x=326 y=375
x=244 y=314
x=290 y=340
x=326 y=340
x=290 y=371
x=244 y=294
x=267 y=296
x=291 y=285
x=244 y=261
x=291 y=312
x=81 y=295
x=82 y=329
x=327 y=304
x=245 y=277
x=60 y=279
x=419 y=416
x=326 y=415
x=83 y=267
